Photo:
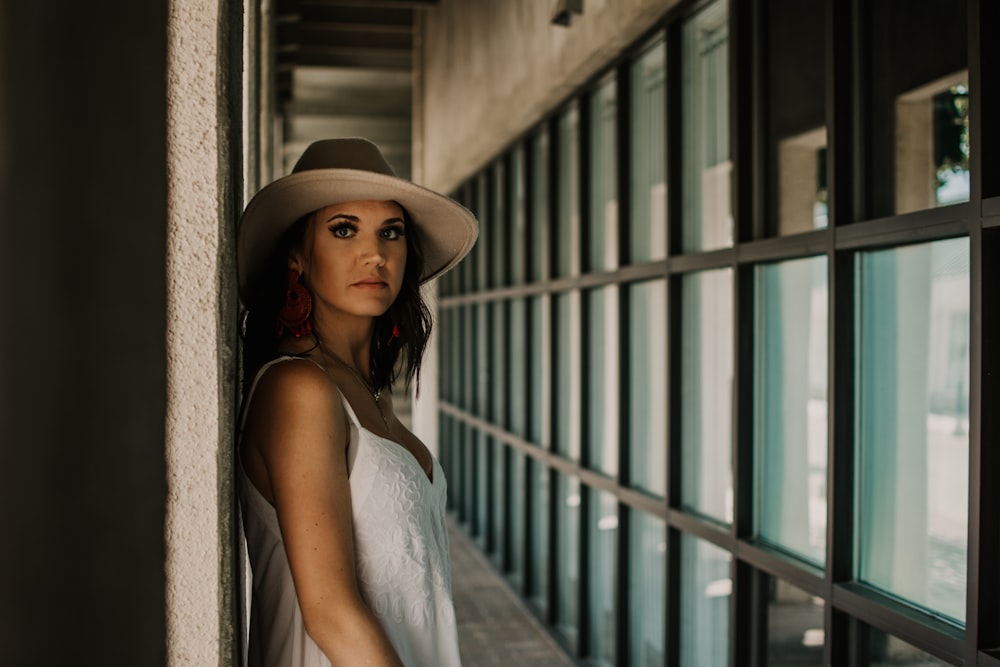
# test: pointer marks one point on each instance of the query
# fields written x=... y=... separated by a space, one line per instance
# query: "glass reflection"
x=888 y=651
x=706 y=589
x=568 y=503
x=567 y=374
x=707 y=173
x=913 y=422
x=795 y=634
x=647 y=560
x=648 y=237
x=647 y=364
x=538 y=518
x=790 y=405
x=796 y=122
x=602 y=431
x=603 y=191
x=706 y=393
x=601 y=544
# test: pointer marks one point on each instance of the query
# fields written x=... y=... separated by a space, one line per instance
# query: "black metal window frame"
x=850 y=606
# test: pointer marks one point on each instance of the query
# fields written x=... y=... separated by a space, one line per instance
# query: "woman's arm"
x=298 y=428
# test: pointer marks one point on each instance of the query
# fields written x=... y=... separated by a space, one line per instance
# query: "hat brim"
x=446 y=229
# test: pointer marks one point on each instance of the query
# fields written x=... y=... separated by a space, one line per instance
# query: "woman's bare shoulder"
x=294 y=396
x=291 y=377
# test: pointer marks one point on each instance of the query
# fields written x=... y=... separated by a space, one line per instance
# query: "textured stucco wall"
x=491 y=69
x=200 y=355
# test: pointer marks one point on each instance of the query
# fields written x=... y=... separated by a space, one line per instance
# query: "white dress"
x=401 y=552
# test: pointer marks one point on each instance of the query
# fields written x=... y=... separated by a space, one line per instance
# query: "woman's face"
x=354 y=257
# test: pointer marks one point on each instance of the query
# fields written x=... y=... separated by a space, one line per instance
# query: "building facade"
x=715 y=384
x=718 y=386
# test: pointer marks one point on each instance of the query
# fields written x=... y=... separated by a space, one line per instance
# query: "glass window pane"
x=567 y=236
x=481 y=360
x=518 y=231
x=706 y=588
x=470 y=358
x=516 y=393
x=446 y=364
x=498 y=364
x=567 y=374
x=460 y=345
x=706 y=392
x=796 y=122
x=455 y=355
x=602 y=238
x=790 y=405
x=537 y=354
x=451 y=432
x=483 y=460
x=499 y=226
x=646 y=587
x=516 y=495
x=913 y=422
x=446 y=453
x=481 y=259
x=498 y=503
x=648 y=230
x=887 y=651
x=602 y=380
x=469 y=446
x=647 y=368
x=539 y=206
x=603 y=582
x=567 y=557
x=795 y=633
x=919 y=100
x=538 y=518
x=708 y=221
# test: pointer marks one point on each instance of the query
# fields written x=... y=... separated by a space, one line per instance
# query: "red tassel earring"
x=294 y=313
x=394 y=335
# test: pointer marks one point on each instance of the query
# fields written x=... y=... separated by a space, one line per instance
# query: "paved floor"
x=494 y=625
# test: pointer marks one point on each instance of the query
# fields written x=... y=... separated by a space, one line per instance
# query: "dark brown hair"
x=391 y=357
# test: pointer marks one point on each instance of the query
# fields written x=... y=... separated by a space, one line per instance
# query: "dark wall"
x=82 y=321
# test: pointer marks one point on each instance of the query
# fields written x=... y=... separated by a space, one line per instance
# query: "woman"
x=343 y=507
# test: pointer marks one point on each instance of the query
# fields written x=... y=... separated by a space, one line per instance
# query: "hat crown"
x=351 y=153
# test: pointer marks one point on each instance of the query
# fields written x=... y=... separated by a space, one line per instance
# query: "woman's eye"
x=343 y=231
x=392 y=233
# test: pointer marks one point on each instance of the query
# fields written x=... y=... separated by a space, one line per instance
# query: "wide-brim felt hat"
x=335 y=171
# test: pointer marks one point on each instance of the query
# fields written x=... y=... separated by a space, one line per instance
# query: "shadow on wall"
x=82 y=361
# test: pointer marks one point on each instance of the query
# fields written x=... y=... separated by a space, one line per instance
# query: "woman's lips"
x=370 y=284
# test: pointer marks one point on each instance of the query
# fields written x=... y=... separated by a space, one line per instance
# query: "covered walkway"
x=494 y=626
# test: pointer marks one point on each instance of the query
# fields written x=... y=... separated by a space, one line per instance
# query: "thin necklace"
x=376 y=394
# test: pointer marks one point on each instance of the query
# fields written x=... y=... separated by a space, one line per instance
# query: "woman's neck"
x=348 y=339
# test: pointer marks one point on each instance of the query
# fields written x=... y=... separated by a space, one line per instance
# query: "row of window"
x=699 y=409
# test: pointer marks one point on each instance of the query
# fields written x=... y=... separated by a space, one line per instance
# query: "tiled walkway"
x=494 y=625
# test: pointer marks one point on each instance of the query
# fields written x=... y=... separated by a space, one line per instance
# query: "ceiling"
x=345 y=68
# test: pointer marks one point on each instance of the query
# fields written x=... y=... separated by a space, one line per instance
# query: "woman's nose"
x=372 y=252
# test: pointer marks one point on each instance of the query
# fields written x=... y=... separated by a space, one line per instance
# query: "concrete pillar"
x=204 y=197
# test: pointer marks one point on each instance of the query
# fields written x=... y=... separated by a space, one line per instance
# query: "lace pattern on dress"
x=401 y=539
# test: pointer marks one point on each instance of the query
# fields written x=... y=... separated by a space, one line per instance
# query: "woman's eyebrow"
x=346 y=216
x=392 y=221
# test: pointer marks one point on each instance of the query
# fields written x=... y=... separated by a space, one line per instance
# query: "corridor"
x=494 y=626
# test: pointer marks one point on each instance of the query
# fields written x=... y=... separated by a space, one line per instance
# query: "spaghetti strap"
x=350 y=411
x=355 y=423
x=256 y=379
